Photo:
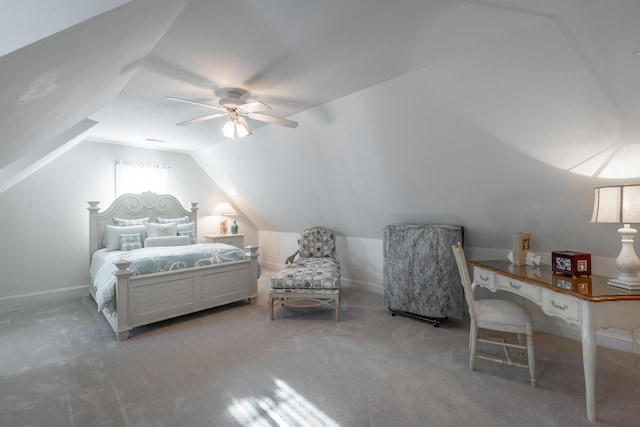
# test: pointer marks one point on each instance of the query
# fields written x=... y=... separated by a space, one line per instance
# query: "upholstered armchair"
x=311 y=276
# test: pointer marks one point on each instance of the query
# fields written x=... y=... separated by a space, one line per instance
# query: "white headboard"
x=147 y=204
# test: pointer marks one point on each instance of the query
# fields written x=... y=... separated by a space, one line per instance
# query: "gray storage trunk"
x=420 y=276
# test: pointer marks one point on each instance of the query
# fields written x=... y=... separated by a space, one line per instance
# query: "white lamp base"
x=627 y=262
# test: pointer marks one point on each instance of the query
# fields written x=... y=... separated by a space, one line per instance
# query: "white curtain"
x=136 y=177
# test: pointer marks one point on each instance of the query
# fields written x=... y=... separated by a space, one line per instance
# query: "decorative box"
x=571 y=263
x=578 y=284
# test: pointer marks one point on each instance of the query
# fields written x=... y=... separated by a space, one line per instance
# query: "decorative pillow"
x=129 y=242
x=185 y=227
x=190 y=234
x=160 y=230
x=183 y=220
x=129 y=221
x=112 y=235
x=167 y=241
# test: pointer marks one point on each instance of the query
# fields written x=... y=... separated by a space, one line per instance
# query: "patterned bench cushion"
x=306 y=278
x=306 y=291
x=314 y=263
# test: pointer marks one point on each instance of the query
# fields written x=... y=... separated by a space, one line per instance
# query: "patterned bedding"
x=159 y=259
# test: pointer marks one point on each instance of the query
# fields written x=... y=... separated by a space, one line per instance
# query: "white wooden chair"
x=496 y=315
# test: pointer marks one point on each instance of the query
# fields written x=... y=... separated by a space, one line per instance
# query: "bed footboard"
x=146 y=299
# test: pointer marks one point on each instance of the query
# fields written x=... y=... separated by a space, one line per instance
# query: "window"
x=136 y=177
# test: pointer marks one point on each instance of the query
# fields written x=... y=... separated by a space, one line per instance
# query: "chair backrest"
x=317 y=242
x=465 y=278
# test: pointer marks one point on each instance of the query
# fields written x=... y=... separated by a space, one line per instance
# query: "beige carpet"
x=62 y=366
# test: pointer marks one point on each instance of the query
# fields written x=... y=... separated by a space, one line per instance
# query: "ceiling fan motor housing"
x=232 y=100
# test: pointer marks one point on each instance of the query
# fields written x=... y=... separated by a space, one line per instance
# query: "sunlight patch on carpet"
x=285 y=408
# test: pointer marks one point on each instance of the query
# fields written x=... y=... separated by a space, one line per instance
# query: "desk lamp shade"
x=621 y=204
x=223 y=209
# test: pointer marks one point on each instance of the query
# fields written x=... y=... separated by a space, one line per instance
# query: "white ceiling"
x=297 y=55
x=117 y=68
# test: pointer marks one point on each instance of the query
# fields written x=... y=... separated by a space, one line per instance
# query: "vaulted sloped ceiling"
x=488 y=113
x=50 y=87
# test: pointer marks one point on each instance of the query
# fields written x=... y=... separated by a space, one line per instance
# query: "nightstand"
x=229 y=239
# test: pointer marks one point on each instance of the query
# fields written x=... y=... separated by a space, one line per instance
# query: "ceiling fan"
x=235 y=107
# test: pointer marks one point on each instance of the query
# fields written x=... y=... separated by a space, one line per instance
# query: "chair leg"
x=530 y=355
x=473 y=337
x=271 y=307
x=337 y=304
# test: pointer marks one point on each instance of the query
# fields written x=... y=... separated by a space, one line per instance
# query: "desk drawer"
x=484 y=278
x=563 y=306
x=526 y=290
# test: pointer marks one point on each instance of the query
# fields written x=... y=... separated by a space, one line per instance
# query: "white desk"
x=588 y=303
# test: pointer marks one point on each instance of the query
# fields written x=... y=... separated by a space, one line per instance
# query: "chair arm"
x=290 y=258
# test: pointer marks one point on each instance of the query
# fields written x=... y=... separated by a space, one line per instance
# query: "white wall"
x=45 y=222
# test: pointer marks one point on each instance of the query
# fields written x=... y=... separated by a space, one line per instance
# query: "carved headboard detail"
x=147 y=204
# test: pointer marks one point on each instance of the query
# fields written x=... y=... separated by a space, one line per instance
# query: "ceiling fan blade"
x=253 y=107
x=272 y=119
x=202 y=104
x=201 y=119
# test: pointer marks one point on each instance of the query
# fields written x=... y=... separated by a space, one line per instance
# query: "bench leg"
x=271 y=307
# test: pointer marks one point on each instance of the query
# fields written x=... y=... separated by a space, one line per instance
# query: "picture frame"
x=521 y=245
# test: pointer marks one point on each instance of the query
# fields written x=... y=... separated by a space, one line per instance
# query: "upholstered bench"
x=311 y=280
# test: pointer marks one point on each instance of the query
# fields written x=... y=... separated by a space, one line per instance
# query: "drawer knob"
x=559 y=307
x=515 y=285
x=484 y=278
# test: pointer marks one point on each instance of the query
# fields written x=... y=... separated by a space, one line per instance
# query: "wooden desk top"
x=591 y=288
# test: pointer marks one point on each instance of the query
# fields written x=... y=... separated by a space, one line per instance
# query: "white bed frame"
x=149 y=298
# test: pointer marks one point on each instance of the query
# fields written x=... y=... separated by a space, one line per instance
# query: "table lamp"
x=621 y=204
x=223 y=209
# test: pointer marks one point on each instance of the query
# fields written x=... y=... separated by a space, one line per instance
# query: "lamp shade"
x=617 y=204
x=222 y=209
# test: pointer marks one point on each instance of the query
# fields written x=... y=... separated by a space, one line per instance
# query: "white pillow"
x=112 y=235
x=161 y=230
x=190 y=234
x=167 y=241
x=188 y=230
x=129 y=221
x=182 y=220
x=185 y=227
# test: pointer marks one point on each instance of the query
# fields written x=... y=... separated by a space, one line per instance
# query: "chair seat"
x=306 y=278
x=505 y=315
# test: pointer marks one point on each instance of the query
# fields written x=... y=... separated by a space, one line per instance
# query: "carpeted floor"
x=62 y=366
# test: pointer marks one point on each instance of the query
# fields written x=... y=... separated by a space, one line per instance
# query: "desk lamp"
x=223 y=209
x=621 y=204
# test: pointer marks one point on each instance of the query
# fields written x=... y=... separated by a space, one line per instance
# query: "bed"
x=218 y=274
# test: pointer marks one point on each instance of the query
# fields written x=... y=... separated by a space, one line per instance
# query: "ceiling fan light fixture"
x=236 y=128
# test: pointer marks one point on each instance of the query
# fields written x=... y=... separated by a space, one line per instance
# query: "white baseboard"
x=362 y=286
x=38 y=297
x=271 y=265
